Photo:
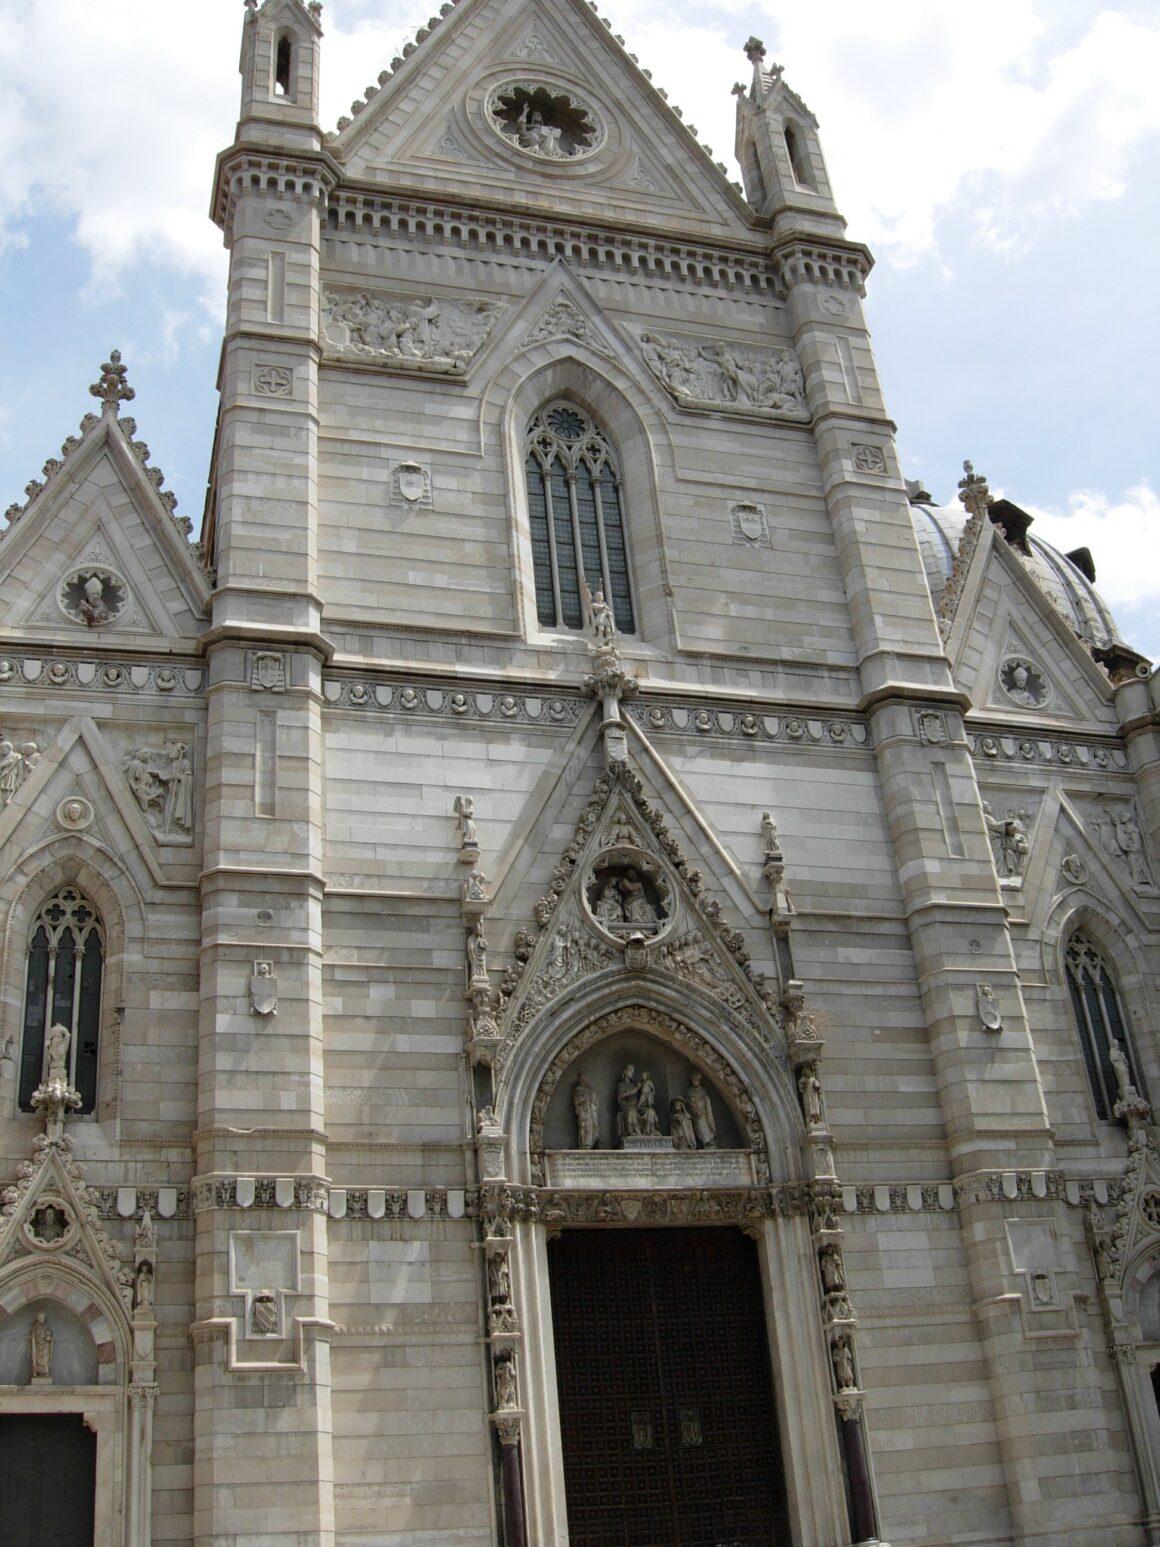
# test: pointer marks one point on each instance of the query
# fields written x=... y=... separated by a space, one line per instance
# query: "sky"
x=1000 y=159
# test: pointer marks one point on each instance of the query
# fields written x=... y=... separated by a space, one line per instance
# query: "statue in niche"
x=1130 y=1103
x=1009 y=841
x=626 y=898
x=637 y=908
x=505 y=1381
x=143 y=1287
x=145 y=1235
x=40 y=1340
x=263 y=990
x=609 y=909
x=627 y=1097
x=681 y=1125
x=646 y=1105
x=264 y=1314
x=810 y=1089
x=477 y=953
x=48 y=1225
x=499 y=1279
x=844 y=1365
x=587 y=1114
x=56 y=1055
x=701 y=1108
x=833 y=1275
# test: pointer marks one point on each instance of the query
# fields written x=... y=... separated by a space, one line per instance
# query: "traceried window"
x=577 y=519
x=62 y=986
x=1099 y=1018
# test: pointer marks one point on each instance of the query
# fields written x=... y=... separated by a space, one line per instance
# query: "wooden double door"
x=48 y=1473
x=667 y=1411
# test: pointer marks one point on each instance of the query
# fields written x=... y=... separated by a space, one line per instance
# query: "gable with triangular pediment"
x=625 y=899
x=97 y=559
x=451 y=117
x=1016 y=656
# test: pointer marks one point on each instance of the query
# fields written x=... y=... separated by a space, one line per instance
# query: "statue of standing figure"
x=646 y=1105
x=701 y=1110
x=587 y=1113
x=681 y=1125
x=40 y=1341
x=627 y=1112
x=56 y=1054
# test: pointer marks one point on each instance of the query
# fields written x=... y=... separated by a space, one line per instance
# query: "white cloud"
x=1124 y=538
x=112 y=113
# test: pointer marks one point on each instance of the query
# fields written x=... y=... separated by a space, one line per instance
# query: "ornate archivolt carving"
x=411 y=332
x=727 y=376
x=691 y=1045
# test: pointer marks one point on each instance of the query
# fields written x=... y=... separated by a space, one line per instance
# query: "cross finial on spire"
x=113 y=389
x=973 y=490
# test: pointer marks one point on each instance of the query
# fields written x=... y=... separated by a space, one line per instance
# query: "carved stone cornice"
x=999 y=743
x=268 y=1192
x=382 y=695
x=281 y=174
x=55 y=669
x=836 y=265
x=671 y=717
x=363 y=215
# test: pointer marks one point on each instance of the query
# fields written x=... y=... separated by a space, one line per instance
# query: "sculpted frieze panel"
x=407 y=332
x=726 y=376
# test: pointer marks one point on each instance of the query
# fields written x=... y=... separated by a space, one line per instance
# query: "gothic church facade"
x=579 y=971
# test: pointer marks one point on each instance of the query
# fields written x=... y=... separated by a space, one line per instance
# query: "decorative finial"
x=754 y=50
x=251 y=5
x=973 y=491
x=112 y=388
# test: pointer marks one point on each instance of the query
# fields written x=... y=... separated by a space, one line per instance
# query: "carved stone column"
x=139 y=1470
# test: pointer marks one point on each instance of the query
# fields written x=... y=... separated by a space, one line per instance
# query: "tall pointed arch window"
x=62 y=986
x=577 y=519
x=1099 y=1018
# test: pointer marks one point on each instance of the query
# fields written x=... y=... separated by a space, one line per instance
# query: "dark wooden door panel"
x=48 y=1469
x=666 y=1404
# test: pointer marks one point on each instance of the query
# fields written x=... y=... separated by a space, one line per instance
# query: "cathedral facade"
x=577 y=972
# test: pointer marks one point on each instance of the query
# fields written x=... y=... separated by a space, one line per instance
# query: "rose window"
x=550 y=125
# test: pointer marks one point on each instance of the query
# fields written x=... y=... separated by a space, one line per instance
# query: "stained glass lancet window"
x=576 y=518
x=65 y=964
x=1098 y=1018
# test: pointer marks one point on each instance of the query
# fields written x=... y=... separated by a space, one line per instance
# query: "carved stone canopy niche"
x=627 y=894
x=544 y=121
x=620 y=1100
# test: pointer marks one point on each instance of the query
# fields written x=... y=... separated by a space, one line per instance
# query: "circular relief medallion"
x=1024 y=682
x=544 y=122
x=74 y=814
x=93 y=596
x=50 y=1224
x=1150 y=1208
x=627 y=896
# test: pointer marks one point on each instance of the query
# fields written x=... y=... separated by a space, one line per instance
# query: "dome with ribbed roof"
x=939 y=529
